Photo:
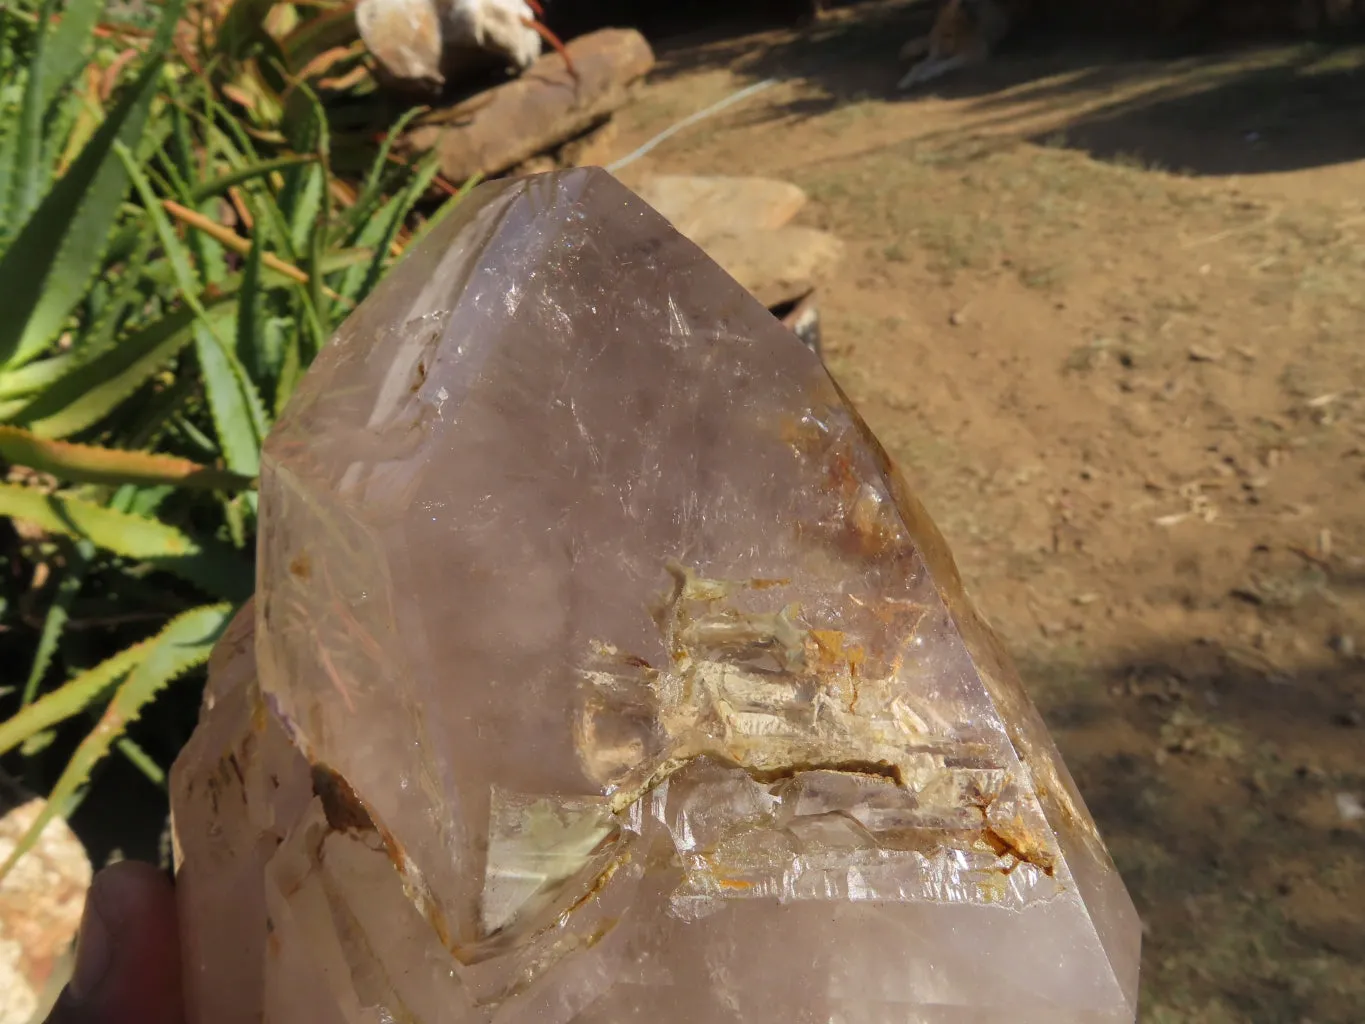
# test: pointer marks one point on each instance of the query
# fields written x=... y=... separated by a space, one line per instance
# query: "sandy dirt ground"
x=1108 y=311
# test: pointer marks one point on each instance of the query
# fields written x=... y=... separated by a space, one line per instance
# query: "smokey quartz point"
x=602 y=669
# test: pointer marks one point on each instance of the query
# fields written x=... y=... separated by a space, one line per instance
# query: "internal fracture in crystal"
x=603 y=669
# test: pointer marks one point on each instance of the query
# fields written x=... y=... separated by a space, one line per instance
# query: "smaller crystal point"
x=605 y=671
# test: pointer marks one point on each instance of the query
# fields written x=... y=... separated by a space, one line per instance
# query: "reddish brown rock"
x=545 y=106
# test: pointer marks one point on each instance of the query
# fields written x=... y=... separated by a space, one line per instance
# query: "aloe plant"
x=175 y=253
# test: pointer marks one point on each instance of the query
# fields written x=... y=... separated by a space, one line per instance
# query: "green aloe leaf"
x=66 y=50
x=35 y=376
x=48 y=264
x=87 y=464
x=27 y=173
x=227 y=388
x=216 y=570
x=183 y=645
x=71 y=698
x=93 y=389
x=243 y=421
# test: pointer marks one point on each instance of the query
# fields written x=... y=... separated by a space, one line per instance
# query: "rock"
x=405 y=38
x=499 y=27
x=534 y=113
x=742 y=223
x=704 y=207
x=41 y=901
x=1349 y=807
x=425 y=42
x=605 y=670
x=776 y=266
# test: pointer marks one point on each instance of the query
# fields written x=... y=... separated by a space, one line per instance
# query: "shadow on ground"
x=1174 y=104
x=1216 y=788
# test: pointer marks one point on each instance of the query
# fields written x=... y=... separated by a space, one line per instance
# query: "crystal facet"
x=604 y=670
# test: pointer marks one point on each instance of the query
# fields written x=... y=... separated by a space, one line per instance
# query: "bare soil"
x=1107 y=309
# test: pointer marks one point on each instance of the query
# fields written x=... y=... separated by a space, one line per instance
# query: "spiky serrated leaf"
x=93 y=389
x=87 y=464
x=216 y=570
x=66 y=49
x=183 y=645
x=304 y=196
x=26 y=176
x=35 y=376
x=50 y=261
x=71 y=698
x=125 y=297
x=238 y=415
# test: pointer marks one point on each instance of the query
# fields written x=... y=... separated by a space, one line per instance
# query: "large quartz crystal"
x=602 y=669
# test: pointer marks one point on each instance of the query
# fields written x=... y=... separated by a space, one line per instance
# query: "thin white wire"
x=687 y=122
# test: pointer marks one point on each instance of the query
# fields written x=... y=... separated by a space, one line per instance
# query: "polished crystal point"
x=602 y=669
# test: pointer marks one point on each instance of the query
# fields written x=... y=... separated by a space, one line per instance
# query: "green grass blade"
x=48 y=265
x=208 y=251
x=183 y=645
x=214 y=569
x=247 y=172
x=371 y=192
x=173 y=249
x=394 y=216
x=78 y=561
x=270 y=221
x=372 y=235
x=142 y=761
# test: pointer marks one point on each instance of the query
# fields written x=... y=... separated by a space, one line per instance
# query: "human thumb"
x=128 y=953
